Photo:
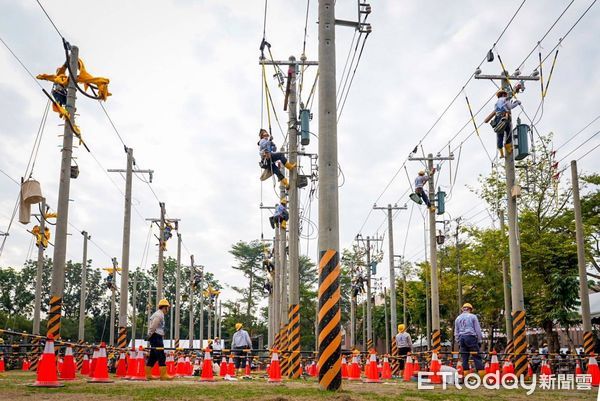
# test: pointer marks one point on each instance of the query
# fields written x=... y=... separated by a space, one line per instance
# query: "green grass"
x=13 y=387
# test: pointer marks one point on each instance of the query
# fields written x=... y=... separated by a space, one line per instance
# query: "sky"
x=186 y=87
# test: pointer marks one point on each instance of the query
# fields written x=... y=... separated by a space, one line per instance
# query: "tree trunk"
x=551 y=337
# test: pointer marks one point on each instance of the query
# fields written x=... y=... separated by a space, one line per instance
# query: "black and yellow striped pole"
x=294 y=342
x=369 y=344
x=395 y=363
x=35 y=354
x=122 y=339
x=436 y=340
x=330 y=340
x=519 y=343
x=283 y=349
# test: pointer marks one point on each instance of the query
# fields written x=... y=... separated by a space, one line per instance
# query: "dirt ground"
x=14 y=387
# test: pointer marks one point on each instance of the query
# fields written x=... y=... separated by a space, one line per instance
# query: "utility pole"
x=276 y=288
x=369 y=273
x=588 y=336
x=191 y=296
x=427 y=293
x=177 y=291
x=283 y=297
x=162 y=243
x=124 y=296
x=458 y=272
x=82 y=288
x=435 y=294
x=385 y=315
x=393 y=311
x=516 y=276
x=62 y=209
x=352 y=312
x=507 y=296
x=39 y=274
x=113 y=303
x=201 y=306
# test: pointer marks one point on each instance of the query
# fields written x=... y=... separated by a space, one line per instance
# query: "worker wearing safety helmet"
x=156 y=332
x=403 y=343
x=420 y=182
x=467 y=333
x=240 y=341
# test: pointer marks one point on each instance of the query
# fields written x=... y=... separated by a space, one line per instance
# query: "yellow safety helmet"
x=401 y=328
x=238 y=326
x=284 y=201
x=422 y=172
x=467 y=305
x=163 y=302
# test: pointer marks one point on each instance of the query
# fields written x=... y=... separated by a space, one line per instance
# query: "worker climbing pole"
x=507 y=92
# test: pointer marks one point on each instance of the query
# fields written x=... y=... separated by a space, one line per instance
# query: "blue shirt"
x=280 y=210
x=421 y=180
x=467 y=324
x=503 y=104
x=266 y=146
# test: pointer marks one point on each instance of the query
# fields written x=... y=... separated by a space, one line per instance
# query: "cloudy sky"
x=186 y=87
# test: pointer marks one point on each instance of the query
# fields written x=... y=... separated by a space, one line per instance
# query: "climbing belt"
x=330 y=340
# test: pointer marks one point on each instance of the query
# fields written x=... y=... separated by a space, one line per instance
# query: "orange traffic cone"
x=274 y=369
x=344 y=368
x=2 y=367
x=181 y=367
x=434 y=367
x=408 y=368
x=121 y=366
x=68 y=369
x=85 y=365
x=170 y=364
x=508 y=367
x=231 y=367
x=140 y=366
x=459 y=369
x=416 y=366
x=354 y=373
x=578 y=370
x=223 y=367
x=25 y=366
x=529 y=371
x=386 y=371
x=372 y=375
x=93 y=362
x=593 y=370
x=494 y=367
x=131 y=365
x=46 y=372
x=100 y=373
x=248 y=370
x=207 y=369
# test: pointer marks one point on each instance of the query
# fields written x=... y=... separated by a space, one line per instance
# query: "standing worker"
x=239 y=342
x=404 y=345
x=467 y=333
x=156 y=332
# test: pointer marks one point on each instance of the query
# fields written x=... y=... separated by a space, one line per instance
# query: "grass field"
x=13 y=387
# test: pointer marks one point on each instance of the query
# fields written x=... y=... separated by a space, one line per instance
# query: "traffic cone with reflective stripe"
x=25 y=366
x=372 y=374
x=68 y=368
x=508 y=367
x=223 y=367
x=171 y=364
x=344 y=368
x=248 y=369
x=386 y=371
x=207 y=369
x=121 y=366
x=131 y=365
x=416 y=366
x=93 y=362
x=354 y=373
x=578 y=370
x=2 y=367
x=100 y=374
x=493 y=368
x=140 y=365
x=274 y=369
x=459 y=369
x=408 y=368
x=46 y=372
x=188 y=366
x=231 y=367
x=529 y=371
x=85 y=365
x=434 y=367
x=593 y=370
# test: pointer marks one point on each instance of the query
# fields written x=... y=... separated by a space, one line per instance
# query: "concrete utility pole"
x=458 y=272
x=177 y=291
x=283 y=297
x=435 y=294
x=201 y=306
x=276 y=287
x=401 y=266
x=134 y=309
x=516 y=276
x=191 y=296
x=393 y=311
x=369 y=338
x=82 y=288
x=588 y=336
x=352 y=311
x=427 y=293
x=62 y=209
x=385 y=315
x=39 y=274
x=507 y=296
x=124 y=294
x=162 y=222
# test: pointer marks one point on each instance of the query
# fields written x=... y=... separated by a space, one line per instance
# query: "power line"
x=577 y=133
x=580 y=145
x=49 y=19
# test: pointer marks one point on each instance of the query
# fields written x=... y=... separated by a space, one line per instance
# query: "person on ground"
x=217 y=347
x=420 y=182
x=404 y=345
x=156 y=332
x=281 y=215
x=240 y=341
x=269 y=157
x=501 y=121
x=467 y=333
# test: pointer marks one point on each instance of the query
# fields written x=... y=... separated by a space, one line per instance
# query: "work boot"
x=508 y=148
x=290 y=166
x=163 y=373
x=501 y=150
x=432 y=208
x=284 y=224
x=149 y=373
x=285 y=183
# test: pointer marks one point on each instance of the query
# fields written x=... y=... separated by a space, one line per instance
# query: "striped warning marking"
x=35 y=355
x=79 y=355
x=395 y=363
x=177 y=343
x=330 y=340
x=510 y=348
x=519 y=343
x=122 y=340
x=294 y=370
x=436 y=341
x=588 y=342
x=54 y=317
x=369 y=343
x=283 y=359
